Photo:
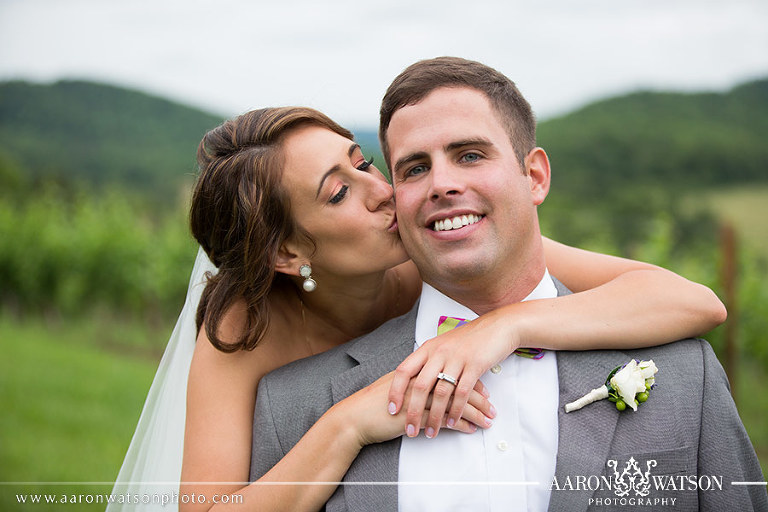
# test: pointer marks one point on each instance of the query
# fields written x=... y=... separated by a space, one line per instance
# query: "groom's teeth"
x=456 y=222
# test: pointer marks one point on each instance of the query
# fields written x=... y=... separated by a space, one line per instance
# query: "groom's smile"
x=455 y=222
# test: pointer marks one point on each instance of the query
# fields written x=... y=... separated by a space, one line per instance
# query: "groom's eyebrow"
x=335 y=168
x=480 y=142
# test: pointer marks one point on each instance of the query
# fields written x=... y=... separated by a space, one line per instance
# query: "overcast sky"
x=339 y=56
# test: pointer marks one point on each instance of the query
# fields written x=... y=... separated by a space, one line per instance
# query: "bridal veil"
x=150 y=474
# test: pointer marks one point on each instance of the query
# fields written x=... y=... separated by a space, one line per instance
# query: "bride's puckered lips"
x=393 y=225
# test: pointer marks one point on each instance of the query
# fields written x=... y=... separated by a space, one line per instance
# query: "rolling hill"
x=75 y=130
x=674 y=140
x=99 y=134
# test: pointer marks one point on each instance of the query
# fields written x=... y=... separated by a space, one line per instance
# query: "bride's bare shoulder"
x=275 y=349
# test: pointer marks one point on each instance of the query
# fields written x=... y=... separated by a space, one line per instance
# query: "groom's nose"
x=447 y=179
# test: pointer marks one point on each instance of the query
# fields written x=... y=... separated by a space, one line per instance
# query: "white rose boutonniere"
x=627 y=385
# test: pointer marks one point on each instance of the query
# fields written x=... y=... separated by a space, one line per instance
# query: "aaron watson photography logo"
x=634 y=484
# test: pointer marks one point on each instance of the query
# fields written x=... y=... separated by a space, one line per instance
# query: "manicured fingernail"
x=493 y=411
x=430 y=432
x=410 y=430
x=451 y=423
x=488 y=422
x=473 y=427
x=392 y=408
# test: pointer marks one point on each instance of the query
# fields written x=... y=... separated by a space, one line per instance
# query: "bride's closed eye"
x=339 y=195
x=344 y=189
x=365 y=165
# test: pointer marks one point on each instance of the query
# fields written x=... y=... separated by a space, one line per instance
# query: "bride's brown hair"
x=241 y=215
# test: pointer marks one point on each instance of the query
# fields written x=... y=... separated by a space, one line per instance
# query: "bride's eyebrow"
x=335 y=168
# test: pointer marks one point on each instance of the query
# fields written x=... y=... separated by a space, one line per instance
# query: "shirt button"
x=496 y=369
x=502 y=446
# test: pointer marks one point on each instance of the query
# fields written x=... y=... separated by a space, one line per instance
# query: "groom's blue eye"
x=415 y=171
x=470 y=157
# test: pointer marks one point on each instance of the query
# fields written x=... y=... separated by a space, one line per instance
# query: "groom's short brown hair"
x=423 y=77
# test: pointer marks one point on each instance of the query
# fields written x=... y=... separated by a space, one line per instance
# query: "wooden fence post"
x=728 y=278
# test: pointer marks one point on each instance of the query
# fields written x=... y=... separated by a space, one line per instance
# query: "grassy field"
x=745 y=207
x=70 y=407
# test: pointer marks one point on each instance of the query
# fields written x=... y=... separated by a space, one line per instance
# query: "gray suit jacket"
x=689 y=426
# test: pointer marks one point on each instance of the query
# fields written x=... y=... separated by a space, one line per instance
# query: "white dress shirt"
x=508 y=466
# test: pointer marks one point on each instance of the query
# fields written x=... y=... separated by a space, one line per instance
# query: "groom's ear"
x=539 y=173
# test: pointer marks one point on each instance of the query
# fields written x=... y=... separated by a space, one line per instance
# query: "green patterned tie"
x=447 y=323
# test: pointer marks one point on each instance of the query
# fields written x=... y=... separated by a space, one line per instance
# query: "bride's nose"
x=380 y=193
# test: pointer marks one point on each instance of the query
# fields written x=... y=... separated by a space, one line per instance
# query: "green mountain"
x=104 y=134
x=664 y=139
x=99 y=134
x=622 y=165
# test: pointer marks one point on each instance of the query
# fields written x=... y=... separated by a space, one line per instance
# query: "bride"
x=300 y=253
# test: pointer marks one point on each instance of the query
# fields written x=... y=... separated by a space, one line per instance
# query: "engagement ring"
x=446 y=378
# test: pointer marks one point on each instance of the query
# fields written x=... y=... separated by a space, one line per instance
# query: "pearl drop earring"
x=309 y=284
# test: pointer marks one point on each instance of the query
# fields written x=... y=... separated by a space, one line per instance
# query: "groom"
x=460 y=140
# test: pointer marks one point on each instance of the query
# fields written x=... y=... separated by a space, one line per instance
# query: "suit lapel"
x=585 y=436
x=375 y=355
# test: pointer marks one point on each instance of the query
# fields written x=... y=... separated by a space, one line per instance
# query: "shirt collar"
x=434 y=304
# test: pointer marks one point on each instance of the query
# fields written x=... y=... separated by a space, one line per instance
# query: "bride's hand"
x=464 y=353
x=366 y=412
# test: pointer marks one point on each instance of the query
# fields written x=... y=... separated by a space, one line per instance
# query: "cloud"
x=339 y=56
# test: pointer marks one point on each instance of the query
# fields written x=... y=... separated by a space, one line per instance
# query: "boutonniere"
x=626 y=385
